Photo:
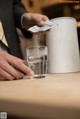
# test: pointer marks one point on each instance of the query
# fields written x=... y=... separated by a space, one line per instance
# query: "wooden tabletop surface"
x=56 y=96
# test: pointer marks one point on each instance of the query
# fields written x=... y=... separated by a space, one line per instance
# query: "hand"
x=31 y=19
x=12 y=67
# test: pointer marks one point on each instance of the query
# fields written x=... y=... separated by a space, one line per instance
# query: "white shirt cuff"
x=22 y=21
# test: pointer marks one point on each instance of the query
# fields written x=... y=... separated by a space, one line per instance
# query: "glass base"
x=37 y=76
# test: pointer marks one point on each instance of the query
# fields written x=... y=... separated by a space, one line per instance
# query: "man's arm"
x=18 y=9
x=29 y=19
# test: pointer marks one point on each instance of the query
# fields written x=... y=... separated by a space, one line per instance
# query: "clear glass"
x=37 y=58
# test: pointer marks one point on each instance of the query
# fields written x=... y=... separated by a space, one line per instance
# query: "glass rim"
x=36 y=46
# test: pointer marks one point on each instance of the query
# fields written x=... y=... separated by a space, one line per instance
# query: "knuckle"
x=18 y=62
x=19 y=75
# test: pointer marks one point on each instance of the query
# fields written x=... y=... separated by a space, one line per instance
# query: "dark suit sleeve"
x=18 y=10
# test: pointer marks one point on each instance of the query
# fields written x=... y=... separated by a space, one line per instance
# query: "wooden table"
x=55 y=97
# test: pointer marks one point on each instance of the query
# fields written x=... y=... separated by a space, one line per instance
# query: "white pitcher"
x=63 y=49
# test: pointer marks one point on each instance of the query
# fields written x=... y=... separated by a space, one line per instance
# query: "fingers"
x=45 y=18
x=20 y=65
x=42 y=20
x=31 y=19
x=12 y=71
x=9 y=72
x=5 y=76
x=12 y=67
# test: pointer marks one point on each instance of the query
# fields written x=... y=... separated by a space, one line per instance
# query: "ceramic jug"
x=63 y=48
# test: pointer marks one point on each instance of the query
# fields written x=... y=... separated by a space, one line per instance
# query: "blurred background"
x=55 y=8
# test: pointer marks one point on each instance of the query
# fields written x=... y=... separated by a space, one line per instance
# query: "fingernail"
x=31 y=73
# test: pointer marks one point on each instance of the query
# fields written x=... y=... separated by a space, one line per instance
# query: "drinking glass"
x=37 y=58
